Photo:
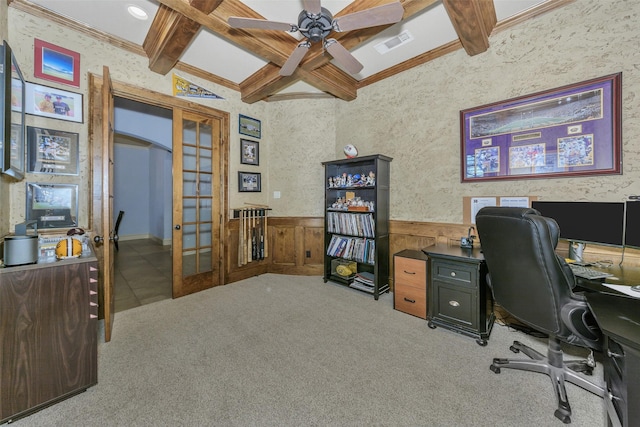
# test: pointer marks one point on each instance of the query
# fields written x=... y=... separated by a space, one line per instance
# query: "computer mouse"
x=635 y=288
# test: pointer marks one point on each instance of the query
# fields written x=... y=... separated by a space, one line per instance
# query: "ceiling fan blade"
x=262 y=24
x=380 y=15
x=312 y=6
x=343 y=56
x=294 y=59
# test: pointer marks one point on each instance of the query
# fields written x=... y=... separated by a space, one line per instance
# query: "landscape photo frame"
x=574 y=130
x=55 y=63
x=249 y=182
x=52 y=102
x=249 y=126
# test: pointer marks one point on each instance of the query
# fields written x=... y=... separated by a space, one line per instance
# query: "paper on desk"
x=624 y=289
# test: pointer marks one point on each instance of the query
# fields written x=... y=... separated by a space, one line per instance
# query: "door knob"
x=177 y=227
x=98 y=239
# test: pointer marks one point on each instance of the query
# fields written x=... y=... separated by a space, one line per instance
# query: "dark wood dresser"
x=48 y=333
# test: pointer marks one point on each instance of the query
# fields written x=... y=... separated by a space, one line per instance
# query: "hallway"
x=142 y=273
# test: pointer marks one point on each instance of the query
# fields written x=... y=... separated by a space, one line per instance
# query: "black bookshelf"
x=357 y=223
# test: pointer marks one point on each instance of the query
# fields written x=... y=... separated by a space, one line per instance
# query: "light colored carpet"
x=278 y=350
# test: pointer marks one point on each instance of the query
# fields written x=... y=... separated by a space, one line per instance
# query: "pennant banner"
x=183 y=87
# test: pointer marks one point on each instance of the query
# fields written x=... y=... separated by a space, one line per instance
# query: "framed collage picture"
x=249 y=182
x=52 y=151
x=249 y=152
x=573 y=130
x=52 y=205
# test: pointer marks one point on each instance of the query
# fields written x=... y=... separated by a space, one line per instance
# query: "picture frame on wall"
x=249 y=182
x=574 y=130
x=52 y=205
x=52 y=102
x=52 y=151
x=249 y=152
x=56 y=63
x=249 y=126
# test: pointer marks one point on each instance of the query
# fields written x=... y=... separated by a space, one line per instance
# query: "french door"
x=197 y=263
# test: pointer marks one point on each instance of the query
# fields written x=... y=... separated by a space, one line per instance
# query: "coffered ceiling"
x=194 y=36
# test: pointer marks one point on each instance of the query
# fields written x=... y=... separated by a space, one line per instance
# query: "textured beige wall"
x=414 y=117
x=303 y=137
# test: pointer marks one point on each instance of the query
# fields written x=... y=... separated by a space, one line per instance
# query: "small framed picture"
x=52 y=151
x=52 y=205
x=249 y=152
x=249 y=182
x=51 y=102
x=250 y=127
x=56 y=63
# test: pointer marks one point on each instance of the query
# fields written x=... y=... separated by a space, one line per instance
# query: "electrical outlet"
x=308 y=254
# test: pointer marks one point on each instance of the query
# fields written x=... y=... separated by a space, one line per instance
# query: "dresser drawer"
x=456 y=273
x=410 y=300
x=411 y=272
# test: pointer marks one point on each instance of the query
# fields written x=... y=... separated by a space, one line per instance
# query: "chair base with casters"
x=556 y=368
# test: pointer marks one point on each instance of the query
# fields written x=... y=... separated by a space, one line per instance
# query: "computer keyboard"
x=588 y=273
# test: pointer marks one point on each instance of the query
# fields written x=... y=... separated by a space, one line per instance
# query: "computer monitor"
x=586 y=222
x=632 y=232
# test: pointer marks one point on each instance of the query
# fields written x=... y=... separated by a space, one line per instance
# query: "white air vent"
x=394 y=42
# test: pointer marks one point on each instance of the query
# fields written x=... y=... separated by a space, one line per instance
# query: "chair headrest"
x=521 y=213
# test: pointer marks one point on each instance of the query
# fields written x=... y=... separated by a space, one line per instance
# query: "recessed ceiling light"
x=137 y=12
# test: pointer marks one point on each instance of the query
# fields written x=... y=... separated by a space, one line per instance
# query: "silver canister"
x=20 y=250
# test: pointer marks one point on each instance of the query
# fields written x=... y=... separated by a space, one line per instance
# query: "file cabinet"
x=458 y=296
x=410 y=282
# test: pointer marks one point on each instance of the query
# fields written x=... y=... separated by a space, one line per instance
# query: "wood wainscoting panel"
x=291 y=240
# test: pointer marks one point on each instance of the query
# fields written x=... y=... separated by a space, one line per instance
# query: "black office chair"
x=533 y=284
x=115 y=230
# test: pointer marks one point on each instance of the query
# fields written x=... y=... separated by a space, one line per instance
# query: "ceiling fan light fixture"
x=137 y=12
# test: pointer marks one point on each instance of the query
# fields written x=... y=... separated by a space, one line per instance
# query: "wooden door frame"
x=147 y=96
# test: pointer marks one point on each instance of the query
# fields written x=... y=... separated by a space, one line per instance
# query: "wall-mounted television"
x=12 y=116
x=586 y=222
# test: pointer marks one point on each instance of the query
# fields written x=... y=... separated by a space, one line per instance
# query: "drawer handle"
x=412 y=301
x=614 y=355
x=453 y=274
x=408 y=272
x=454 y=303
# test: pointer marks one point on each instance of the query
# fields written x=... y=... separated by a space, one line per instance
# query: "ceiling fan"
x=316 y=23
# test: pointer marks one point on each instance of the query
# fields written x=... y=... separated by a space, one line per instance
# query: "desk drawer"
x=410 y=300
x=411 y=272
x=455 y=273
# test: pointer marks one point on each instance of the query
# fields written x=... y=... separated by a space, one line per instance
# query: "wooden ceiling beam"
x=274 y=46
x=473 y=20
x=170 y=34
x=328 y=78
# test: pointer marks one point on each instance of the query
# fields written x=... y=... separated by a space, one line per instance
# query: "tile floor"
x=142 y=273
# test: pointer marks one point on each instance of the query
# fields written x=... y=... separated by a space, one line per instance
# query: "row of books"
x=353 y=224
x=353 y=248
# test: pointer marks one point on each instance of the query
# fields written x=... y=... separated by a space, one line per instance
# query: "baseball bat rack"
x=252 y=233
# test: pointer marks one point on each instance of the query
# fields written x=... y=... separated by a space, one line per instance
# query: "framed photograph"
x=52 y=205
x=249 y=152
x=52 y=151
x=249 y=182
x=250 y=127
x=55 y=103
x=573 y=130
x=56 y=63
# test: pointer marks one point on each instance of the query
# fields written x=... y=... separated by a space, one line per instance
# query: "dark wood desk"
x=619 y=319
x=622 y=275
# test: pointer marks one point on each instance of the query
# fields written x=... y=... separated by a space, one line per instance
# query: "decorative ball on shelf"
x=350 y=151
